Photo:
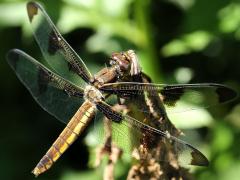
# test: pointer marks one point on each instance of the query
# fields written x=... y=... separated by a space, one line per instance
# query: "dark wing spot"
x=72 y=91
x=32 y=10
x=53 y=43
x=73 y=68
x=77 y=94
x=225 y=94
x=13 y=58
x=69 y=66
x=43 y=80
x=198 y=159
x=171 y=95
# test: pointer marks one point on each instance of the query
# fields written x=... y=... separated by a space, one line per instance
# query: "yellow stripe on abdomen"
x=71 y=132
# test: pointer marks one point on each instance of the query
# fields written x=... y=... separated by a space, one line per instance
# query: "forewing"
x=181 y=150
x=57 y=52
x=54 y=94
x=173 y=96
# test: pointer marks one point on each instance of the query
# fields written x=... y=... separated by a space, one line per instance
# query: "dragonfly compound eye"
x=121 y=60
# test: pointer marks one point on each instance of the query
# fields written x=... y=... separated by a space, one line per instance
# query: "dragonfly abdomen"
x=71 y=132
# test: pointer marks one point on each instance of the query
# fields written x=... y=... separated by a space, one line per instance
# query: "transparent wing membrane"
x=57 y=52
x=180 y=150
x=110 y=133
x=173 y=96
x=54 y=94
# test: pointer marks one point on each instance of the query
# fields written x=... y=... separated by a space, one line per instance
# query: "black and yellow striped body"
x=74 y=128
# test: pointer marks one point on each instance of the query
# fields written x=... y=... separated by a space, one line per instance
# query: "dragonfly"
x=66 y=89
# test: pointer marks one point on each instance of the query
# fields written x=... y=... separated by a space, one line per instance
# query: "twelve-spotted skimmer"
x=69 y=92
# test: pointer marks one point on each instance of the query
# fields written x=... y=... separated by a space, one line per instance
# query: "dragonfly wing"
x=197 y=95
x=56 y=95
x=58 y=53
x=181 y=150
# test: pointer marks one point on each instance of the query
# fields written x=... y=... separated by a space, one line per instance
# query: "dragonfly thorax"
x=92 y=94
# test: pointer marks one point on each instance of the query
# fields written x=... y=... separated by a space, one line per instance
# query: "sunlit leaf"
x=191 y=119
x=12 y=14
x=231 y=172
x=229 y=18
x=223 y=138
x=223 y=161
x=234 y=117
x=102 y=42
x=86 y=175
x=193 y=42
x=184 y=4
x=183 y=75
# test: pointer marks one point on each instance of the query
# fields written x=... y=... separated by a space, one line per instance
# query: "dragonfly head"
x=126 y=62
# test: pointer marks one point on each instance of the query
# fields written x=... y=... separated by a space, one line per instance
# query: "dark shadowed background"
x=177 y=41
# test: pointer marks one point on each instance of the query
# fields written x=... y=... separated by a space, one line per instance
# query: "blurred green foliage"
x=177 y=41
